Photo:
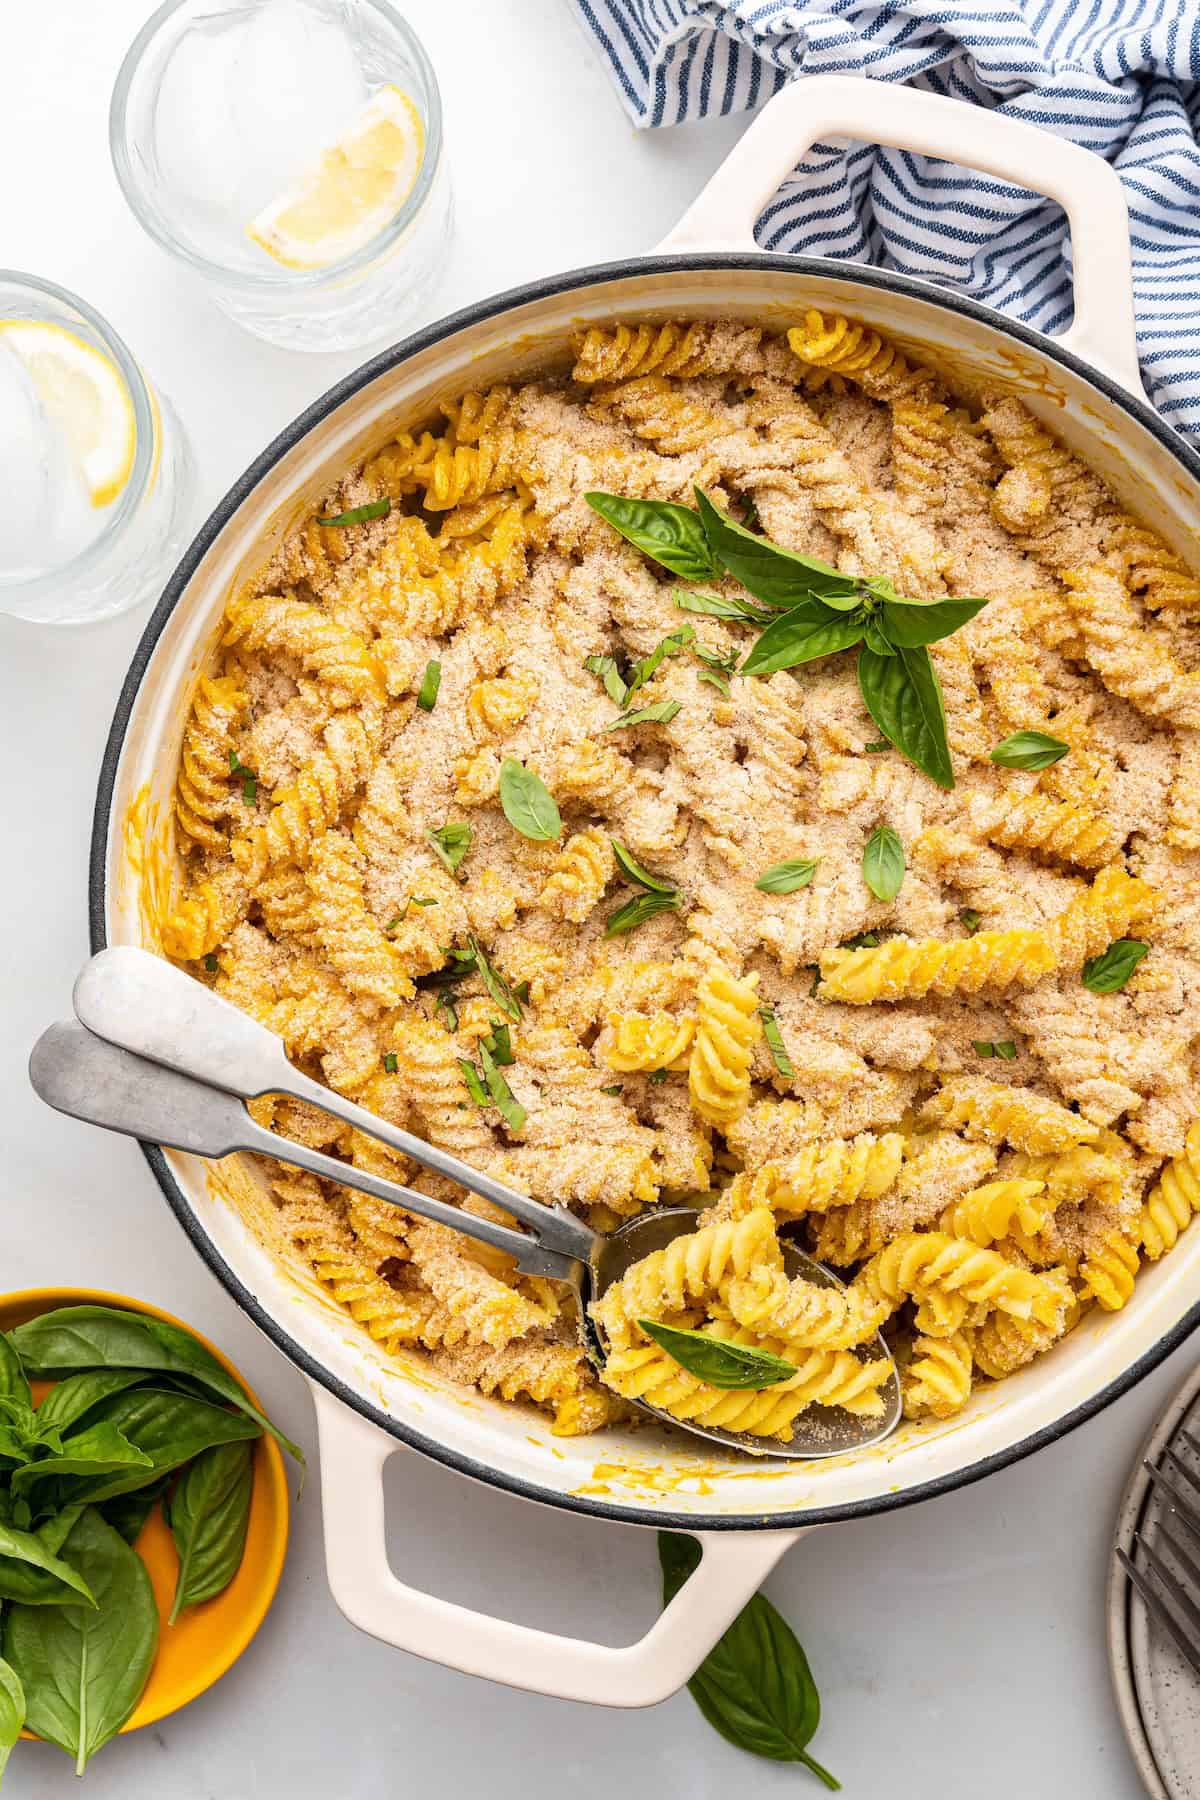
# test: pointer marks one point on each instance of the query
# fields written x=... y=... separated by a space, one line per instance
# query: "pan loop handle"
x=813 y=108
x=353 y=1454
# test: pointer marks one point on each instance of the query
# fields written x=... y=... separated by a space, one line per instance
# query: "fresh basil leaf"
x=1029 y=750
x=606 y=668
x=883 y=863
x=497 y=988
x=528 y=803
x=169 y=1428
x=971 y=919
x=776 y=576
x=127 y=1513
x=431 y=681
x=720 y=606
x=14 y=1388
x=374 y=509
x=83 y=1670
x=661 y=713
x=12 y=1711
x=775 y=1043
x=671 y=535
x=720 y=1364
x=32 y=1571
x=875 y=637
x=875 y=747
x=69 y=1401
x=502 y=1096
x=807 y=631
x=725 y=661
x=911 y=623
x=714 y=678
x=1108 y=972
x=75 y=1338
x=755 y=1686
x=210 y=1512
x=450 y=842
x=903 y=696
x=862 y=940
x=787 y=877
x=641 y=671
x=98 y=1449
x=636 y=912
x=1003 y=1048
x=633 y=871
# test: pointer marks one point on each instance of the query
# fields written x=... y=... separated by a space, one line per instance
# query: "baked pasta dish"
x=744 y=769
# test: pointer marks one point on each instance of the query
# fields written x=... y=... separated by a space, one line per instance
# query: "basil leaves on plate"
x=804 y=609
x=755 y=1686
x=210 y=1513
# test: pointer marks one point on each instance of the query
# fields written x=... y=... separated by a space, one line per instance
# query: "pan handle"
x=813 y=108
x=353 y=1453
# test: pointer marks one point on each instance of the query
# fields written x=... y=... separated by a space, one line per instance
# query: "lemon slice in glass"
x=352 y=192
x=84 y=396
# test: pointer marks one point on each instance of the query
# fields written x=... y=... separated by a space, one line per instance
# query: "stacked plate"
x=1157 y=1693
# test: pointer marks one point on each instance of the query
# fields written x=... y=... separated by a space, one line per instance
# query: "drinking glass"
x=290 y=153
x=95 y=469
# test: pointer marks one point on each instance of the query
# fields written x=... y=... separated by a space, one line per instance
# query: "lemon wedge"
x=352 y=192
x=84 y=396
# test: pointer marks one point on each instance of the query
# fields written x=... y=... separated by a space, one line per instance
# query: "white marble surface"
x=958 y=1645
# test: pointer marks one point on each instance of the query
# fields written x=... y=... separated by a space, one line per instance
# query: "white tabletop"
x=959 y=1646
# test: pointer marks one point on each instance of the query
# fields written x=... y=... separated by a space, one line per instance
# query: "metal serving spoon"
x=160 y=1057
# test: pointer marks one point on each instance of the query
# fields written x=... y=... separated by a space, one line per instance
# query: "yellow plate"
x=206 y=1640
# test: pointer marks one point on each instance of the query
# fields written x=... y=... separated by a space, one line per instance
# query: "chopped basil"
x=444 y=1004
x=641 y=672
x=528 y=804
x=1108 y=972
x=1029 y=750
x=877 y=744
x=499 y=1042
x=374 y=509
x=502 y=1096
x=210 y=962
x=633 y=871
x=475 y=1087
x=521 y=992
x=657 y=1076
x=498 y=989
x=661 y=713
x=636 y=912
x=720 y=606
x=606 y=668
x=1001 y=1047
x=883 y=863
x=249 y=778
x=389 y=1062
x=715 y=679
x=725 y=660
x=787 y=877
x=971 y=919
x=431 y=681
x=720 y=1364
x=617 y=1089
x=864 y=940
x=451 y=842
x=775 y=1044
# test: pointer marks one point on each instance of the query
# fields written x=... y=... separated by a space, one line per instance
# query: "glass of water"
x=96 y=474
x=290 y=152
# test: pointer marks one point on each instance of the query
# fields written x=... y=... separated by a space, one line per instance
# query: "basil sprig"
x=720 y=1364
x=805 y=609
x=883 y=863
x=755 y=1686
x=1108 y=972
x=528 y=804
x=1029 y=750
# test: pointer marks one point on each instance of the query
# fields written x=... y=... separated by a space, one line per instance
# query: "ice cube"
x=247 y=101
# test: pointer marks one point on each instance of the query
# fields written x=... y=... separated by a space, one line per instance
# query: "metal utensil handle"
x=143 y=1003
x=102 y=1084
x=815 y=107
x=353 y=1454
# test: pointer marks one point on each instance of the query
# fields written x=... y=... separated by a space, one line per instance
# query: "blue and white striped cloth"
x=1120 y=76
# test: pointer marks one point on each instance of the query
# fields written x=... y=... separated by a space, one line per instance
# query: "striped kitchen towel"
x=1120 y=76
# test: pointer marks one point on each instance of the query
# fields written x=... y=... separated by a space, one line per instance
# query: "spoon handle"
x=102 y=1084
x=145 y=1005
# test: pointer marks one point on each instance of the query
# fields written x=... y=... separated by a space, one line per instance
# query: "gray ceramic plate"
x=1158 y=1697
